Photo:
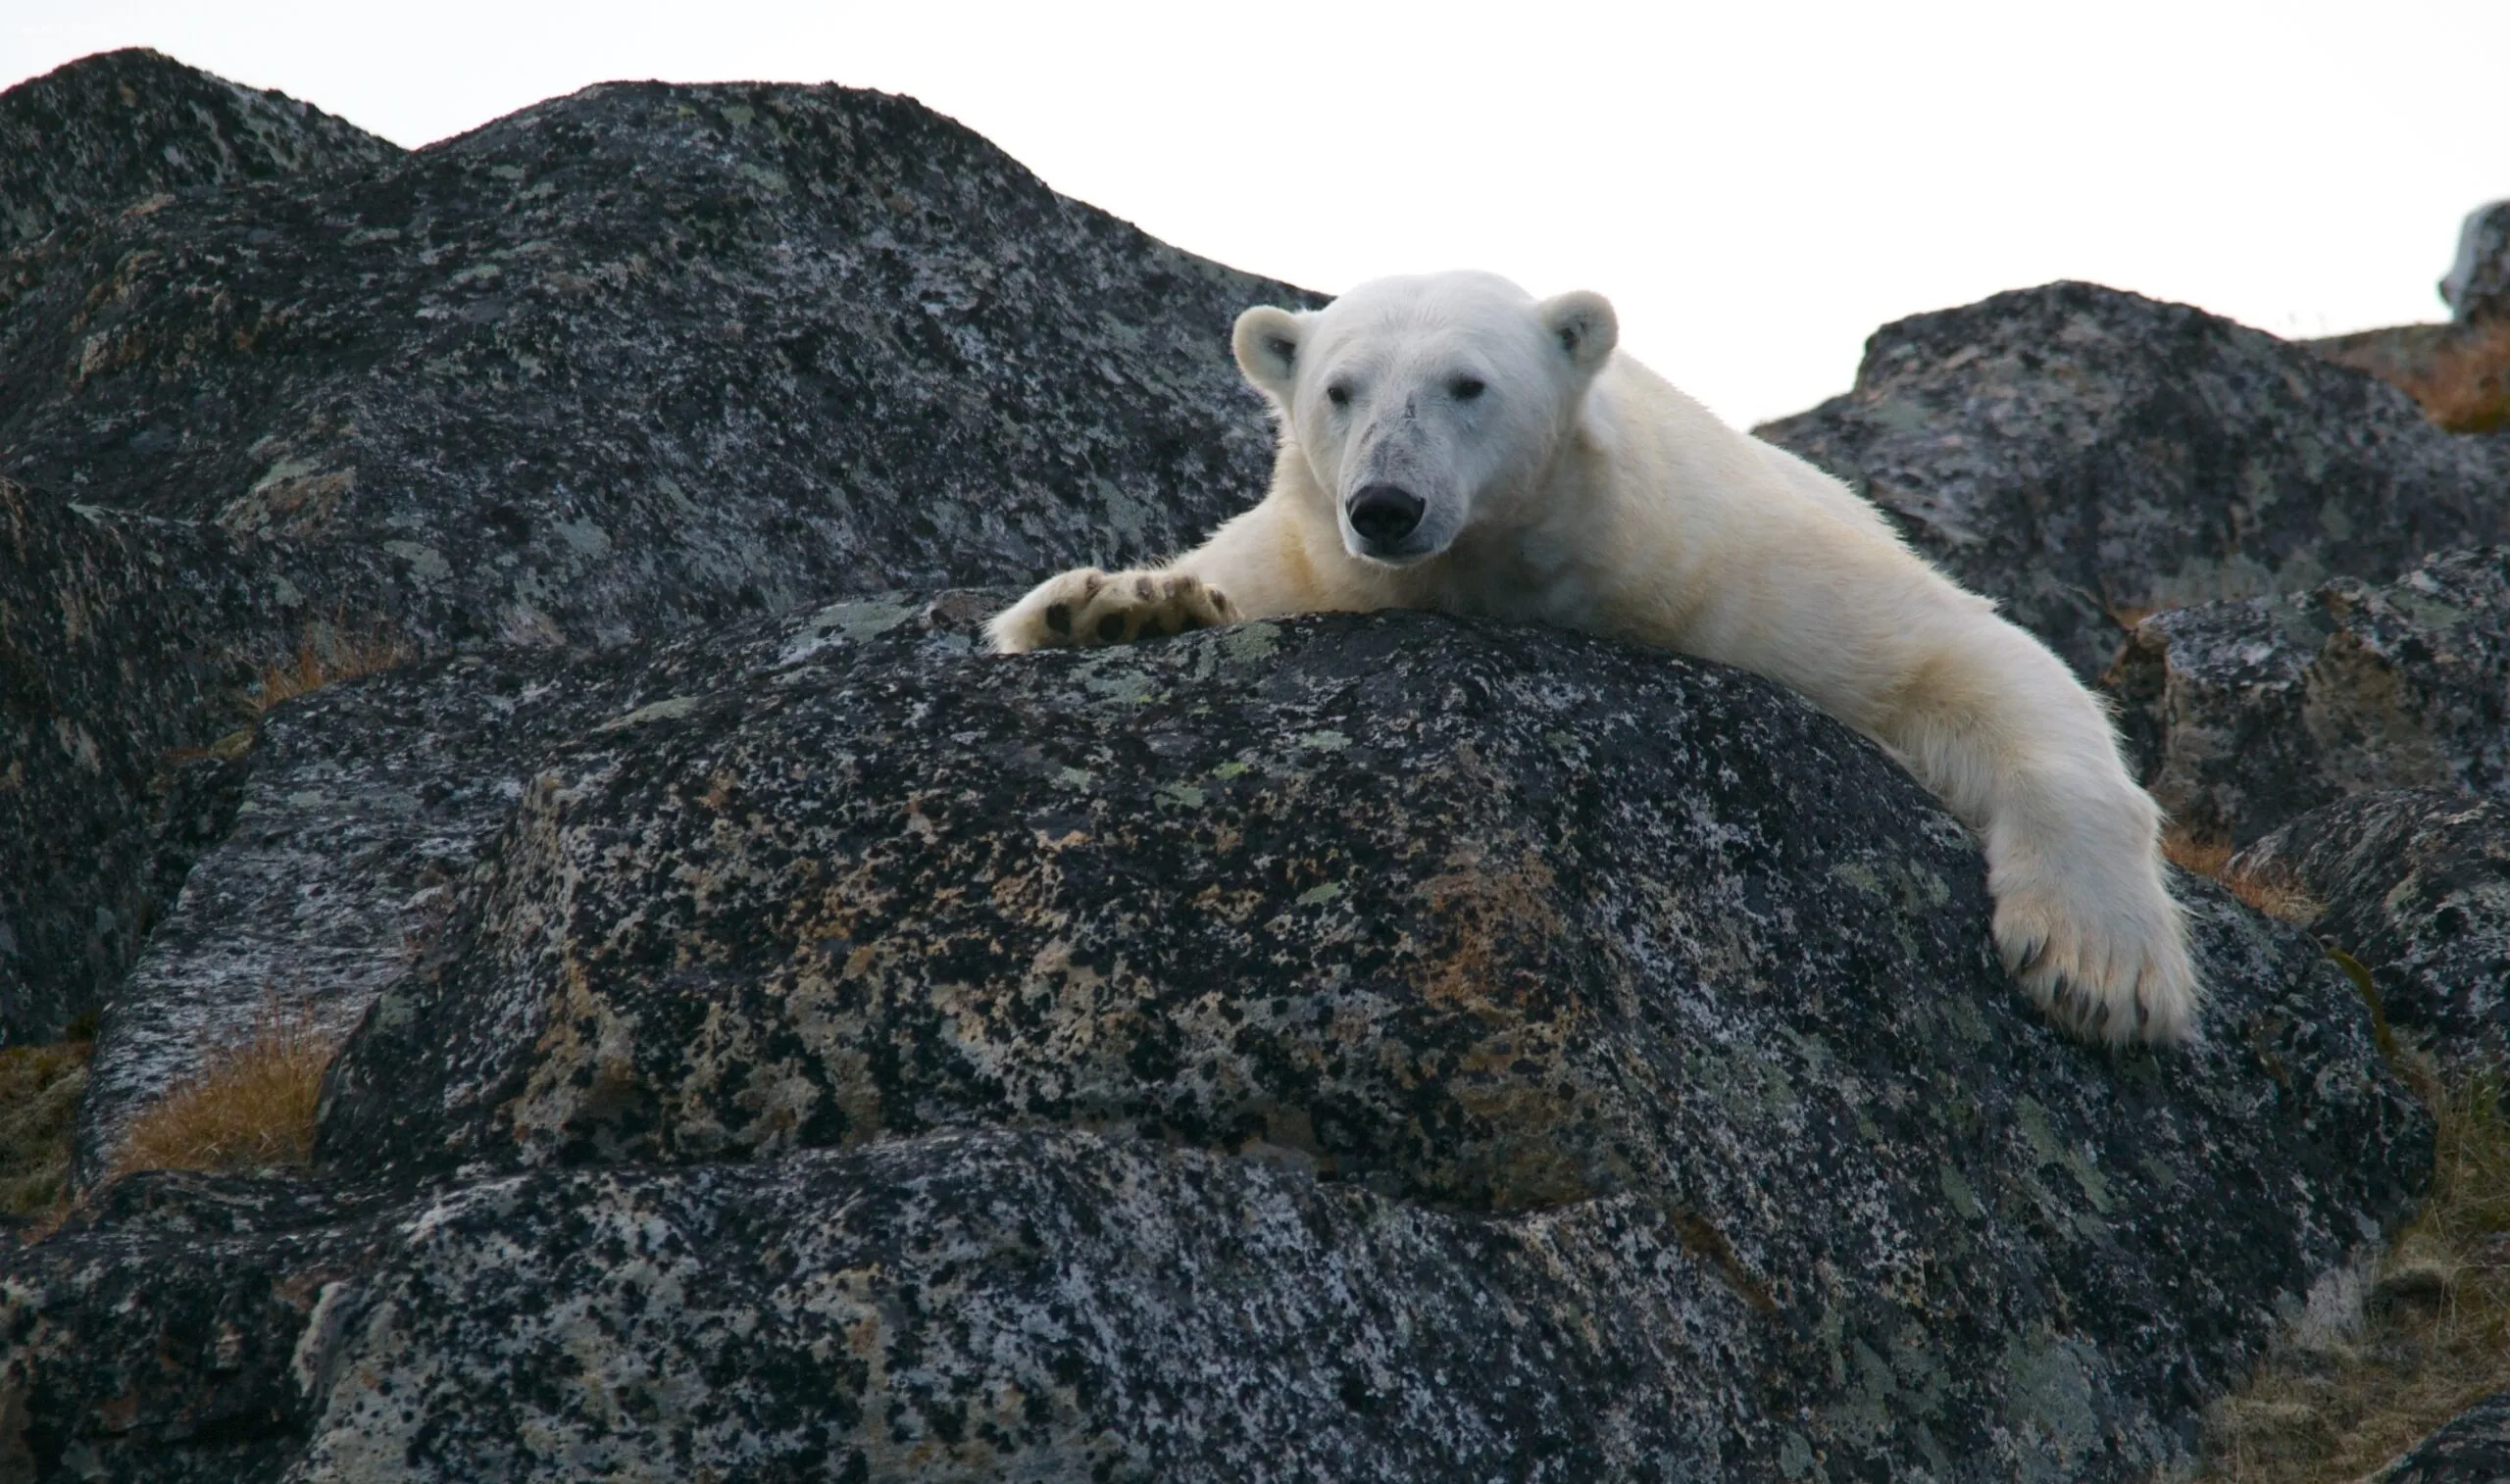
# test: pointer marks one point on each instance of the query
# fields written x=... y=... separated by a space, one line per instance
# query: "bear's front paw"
x=1086 y=608
x=2107 y=964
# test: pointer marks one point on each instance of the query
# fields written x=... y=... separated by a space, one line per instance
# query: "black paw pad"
x=1059 y=617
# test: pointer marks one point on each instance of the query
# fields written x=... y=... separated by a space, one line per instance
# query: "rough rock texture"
x=2088 y=456
x=2415 y=884
x=642 y=357
x=362 y=808
x=120 y=130
x=634 y=360
x=1266 y=1055
x=2478 y=284
x=2474 y=1449
x=2249 y=713
x=123 y=659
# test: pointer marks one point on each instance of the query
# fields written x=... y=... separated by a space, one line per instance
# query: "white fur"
x=1579 y=489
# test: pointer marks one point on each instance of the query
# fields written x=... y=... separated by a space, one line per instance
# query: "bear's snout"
x=1384 y=514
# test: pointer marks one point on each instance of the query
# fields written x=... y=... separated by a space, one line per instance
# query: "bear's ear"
x=1584 y=326
x=1267 y=344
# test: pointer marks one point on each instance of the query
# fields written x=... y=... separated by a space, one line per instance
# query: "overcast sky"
x=1757 y=185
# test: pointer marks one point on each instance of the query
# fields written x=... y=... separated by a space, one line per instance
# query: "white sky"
x=1757 y=185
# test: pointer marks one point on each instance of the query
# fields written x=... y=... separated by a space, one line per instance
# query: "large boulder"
x=125 y=129
x=634 y=360
x=2088 y=456
x=643 y=357
x=2476 y=286
x=2415 y=885
x=2249 y=713
x=1358 y=1047
x=125 y=659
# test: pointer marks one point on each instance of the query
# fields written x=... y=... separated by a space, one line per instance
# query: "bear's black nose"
x=1384 y=513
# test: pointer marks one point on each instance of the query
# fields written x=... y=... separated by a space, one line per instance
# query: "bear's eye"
x=1466 y=388
x=1338 y=394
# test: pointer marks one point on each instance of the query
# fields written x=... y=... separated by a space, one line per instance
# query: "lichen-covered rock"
x=642 y=357
x=2415 y=884
x=2249 y=713
x=2478 y=284
x=125 y=645
x=2471 y=1449
x=2086 y=456
x=630 y=360
x=361 y=809
x=122 y=129
x=1358 y=1046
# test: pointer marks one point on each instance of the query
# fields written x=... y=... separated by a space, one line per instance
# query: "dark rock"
x=643 y=357
x=1389 y=1001
x=2250 y=714
x=123 y=129
x=2474 y=1449
x=2415 y=885
x=2086 y=456
x=634 y=360
x=127 y=644
x=2478 y=284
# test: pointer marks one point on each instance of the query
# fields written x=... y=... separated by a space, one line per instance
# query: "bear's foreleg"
x=2003 y=732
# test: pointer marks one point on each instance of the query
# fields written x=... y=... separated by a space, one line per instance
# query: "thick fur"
x=1562 y=483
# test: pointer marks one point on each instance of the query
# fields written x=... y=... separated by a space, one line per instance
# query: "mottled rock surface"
x=638 y=358
x=1360 y=1047
x=2415 y=884
x=643 y=357
x=127 y=644
x=2088 y=456
x=2478 y=284
x=122 y=129
x=2246 y=715
x=2474 y=1449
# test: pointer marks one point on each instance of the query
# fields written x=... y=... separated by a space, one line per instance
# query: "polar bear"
x=1448 y=443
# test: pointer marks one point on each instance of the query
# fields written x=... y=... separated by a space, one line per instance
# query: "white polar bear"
x=1447 y=442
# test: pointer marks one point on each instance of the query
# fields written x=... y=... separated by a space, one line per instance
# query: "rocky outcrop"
x=127 y=645
x=127 y=129
x=639 y=358
x=2088 y=456
x=2247 y=715
x=2415 y=885
x=2474 y=1449
x=634 y=360
x=2476 y=286
x=1267 y=1054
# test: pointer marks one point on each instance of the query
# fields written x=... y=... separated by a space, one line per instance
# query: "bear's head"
x=1423 y=405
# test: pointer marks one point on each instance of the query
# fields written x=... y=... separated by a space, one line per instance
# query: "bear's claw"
x=1086 y=607
x=2115 y=973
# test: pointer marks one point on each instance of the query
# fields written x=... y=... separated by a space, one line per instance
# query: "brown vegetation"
x=2459 y=372
x=2435 y=1335
x=2269 y=892
x=325 y=657
x=39 y=1091
x=252 y=1108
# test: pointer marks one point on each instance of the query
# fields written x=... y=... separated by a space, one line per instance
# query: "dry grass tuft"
x=326 y=657
x=2459 y=372
x=2435 y=1338
x=2269 y=892
x=251 y=1109
x=39 y=1091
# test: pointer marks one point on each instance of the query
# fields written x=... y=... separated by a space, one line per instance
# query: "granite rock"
x=2415 y=885
x=2086 y=456
x=127 y=652
x=2246 y=715
x=2476 y=286
x=127 y=129
x=2471 y=1449
x=632 y=361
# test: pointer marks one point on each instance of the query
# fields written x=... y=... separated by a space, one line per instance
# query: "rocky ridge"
x=788 y=1043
